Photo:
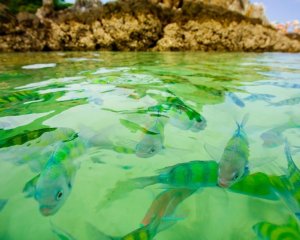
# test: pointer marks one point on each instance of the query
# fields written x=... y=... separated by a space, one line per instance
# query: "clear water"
x=101 y=96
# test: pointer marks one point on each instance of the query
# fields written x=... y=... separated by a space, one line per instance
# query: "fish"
x=274 y=136
x=3 y=202
x=236 y=100
x=286 y=102
x=180 y=115
x=282 y=84
x=152 y=141
x=258 y=97
x=271 y=231
x=191 y=175
x=52 y=186
x=34 y=151
x=233 y=164
x=196 y=121
x=158 y=217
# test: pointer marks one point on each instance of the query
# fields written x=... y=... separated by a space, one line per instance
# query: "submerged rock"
x=159 y=25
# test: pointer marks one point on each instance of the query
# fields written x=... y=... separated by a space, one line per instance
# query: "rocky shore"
x=131 y=25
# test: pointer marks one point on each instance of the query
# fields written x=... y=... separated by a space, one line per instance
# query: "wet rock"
x=158 y=25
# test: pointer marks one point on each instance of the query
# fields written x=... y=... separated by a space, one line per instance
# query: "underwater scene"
x=139 y=146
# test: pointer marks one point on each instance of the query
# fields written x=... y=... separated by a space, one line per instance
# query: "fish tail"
x=143 y=182
x=242 y=124
x=94 y=233
x=287 y=151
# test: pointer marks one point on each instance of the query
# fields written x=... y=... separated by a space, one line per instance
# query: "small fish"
x=3 y=202
x=236 y=100
x=270 y=231
x=234 y=161
x=152 y=141
x=53 y=185
x=258 y=97
x=274 y=136
x=282 y=84
x=196 y=121
x=287 y=102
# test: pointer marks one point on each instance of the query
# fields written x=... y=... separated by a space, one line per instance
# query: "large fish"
x=270 y=231
x=191 y=175
x=53 y=185
x=234 y=161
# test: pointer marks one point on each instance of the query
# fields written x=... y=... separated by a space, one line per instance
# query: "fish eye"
x=235 y=177
x=59 y=195
x=152 y=150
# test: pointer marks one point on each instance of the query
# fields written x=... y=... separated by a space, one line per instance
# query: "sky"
x=276 y=10
x=281 y=10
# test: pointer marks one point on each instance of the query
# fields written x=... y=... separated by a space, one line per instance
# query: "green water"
x=104 y=98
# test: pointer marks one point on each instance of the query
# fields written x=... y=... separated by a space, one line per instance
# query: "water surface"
x=108 y=103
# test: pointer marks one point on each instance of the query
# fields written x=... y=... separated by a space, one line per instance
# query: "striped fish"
x=191 y=175
x=234 y=161
x=53 y=185
x=270 y=231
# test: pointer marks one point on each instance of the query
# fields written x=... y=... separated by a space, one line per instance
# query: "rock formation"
x=159 y=25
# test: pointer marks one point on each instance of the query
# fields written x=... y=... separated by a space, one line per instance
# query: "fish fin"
x=259 y=162
x=134 y=127
x=173 y=218
x=287 y=151
x=293 y=222
x=95 y=234
x=243 y=122
x=214 y=152
x=124 y=187
x=3 y=202
x=29 y=188
x=61 y=234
